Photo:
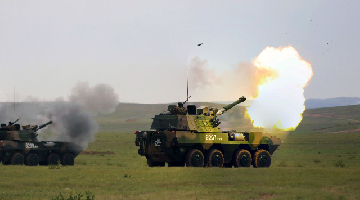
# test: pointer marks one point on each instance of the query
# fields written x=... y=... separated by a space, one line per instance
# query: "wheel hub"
x=244 y=160
x=263 y=160
x=216 y=160
x=197 y=160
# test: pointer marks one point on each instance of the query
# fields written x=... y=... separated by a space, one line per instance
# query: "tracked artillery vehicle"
x=190 y=136
x=19 y=147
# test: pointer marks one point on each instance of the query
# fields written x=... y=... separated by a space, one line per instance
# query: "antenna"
x=187 y=82
x=14 y=99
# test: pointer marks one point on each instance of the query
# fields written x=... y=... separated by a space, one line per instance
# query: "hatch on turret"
x=191 y=110
x=202 y=110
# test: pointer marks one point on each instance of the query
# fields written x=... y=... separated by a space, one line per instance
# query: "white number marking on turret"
x=30 y=145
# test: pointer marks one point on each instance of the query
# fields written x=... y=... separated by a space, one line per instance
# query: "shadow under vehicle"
x=190 y=136
x=18 y=147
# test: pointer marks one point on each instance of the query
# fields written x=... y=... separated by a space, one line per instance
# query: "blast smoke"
x=227 y=85
x=101 y=99
x=72 y=123
x=200 y=75
x=280 y=101
x=275 y=80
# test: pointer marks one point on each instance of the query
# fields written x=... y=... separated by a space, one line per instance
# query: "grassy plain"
x=308 y=165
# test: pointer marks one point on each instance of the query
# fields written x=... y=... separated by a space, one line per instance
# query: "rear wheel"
x=17 y=159
x=53 y=159
x=67 y=159
x=32 y=160
x=262 y=159
x=242 y=158
x=195 y=158
x=215 y=158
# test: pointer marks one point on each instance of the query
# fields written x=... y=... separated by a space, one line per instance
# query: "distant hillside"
x=338 y=101
x=330 y=120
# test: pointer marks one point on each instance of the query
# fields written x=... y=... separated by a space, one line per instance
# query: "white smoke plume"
x=200 y=75
x=227 y=85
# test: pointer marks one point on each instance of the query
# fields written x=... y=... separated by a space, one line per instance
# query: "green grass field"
x=308 y=165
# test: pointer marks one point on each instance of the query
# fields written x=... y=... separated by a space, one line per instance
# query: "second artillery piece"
x=191 y=136
x=19 y=147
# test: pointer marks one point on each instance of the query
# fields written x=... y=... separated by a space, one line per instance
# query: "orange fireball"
x=279 y=102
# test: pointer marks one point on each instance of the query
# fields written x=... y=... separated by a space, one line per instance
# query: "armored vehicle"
x=22 y=146
x=191 y=136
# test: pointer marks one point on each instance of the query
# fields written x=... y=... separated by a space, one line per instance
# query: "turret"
x=201 y=119
x=13 y=132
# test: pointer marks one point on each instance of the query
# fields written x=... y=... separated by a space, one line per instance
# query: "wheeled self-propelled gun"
x=190 y=136
x=19 y=147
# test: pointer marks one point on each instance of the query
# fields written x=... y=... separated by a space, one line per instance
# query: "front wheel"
x=195 y=158
x=67 y=159
x=262 y=159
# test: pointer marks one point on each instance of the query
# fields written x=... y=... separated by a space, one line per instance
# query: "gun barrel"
x=11 y=123
x=228 y=107
x=42 y=126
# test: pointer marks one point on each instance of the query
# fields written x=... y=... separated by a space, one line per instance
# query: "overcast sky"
x=141 y=48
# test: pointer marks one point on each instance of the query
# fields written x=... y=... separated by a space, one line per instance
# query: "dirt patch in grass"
x=354 y=130
x=130 y=120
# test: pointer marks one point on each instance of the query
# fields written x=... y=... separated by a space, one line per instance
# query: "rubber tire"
x=155 y=164
x=215 y=158
x=17 y=159
x=53 y=159
x=68 y=159
x=262 y=159
x=242 y=158
x=32 y=160
x=195 y=158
